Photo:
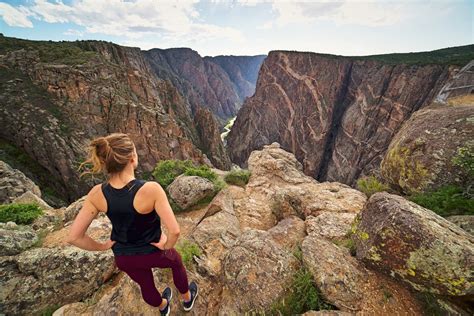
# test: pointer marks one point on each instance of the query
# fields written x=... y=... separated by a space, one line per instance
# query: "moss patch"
x=405 y=172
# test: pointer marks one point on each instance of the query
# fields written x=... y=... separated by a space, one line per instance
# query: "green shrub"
x=20 y=213
x=464 y=158
x=446 y=201
x=370 y=185
x=167 y=170
x=202 y=171
x=187 y=249
x=237 y=177
x=303 y=296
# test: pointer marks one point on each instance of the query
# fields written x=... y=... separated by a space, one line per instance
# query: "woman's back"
x=132 y=231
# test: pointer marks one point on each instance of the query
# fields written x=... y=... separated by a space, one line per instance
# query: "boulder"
x=347 y=284
x=415 y=245
x=42 y=277
x=315 y=198
x=14 y=183
x=15 y=238
x=329 y=225
x=420 y=156
x=278 y=188
x=273 y=166
x=338 y=275
x=466 y=222
x=256 y=271
x=186 y=191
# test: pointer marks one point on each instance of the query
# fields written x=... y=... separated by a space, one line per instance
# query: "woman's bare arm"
x=77 y=233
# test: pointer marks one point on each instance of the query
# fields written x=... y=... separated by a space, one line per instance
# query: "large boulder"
x=415 y=245
x=278 y=188
x=186 y=191
x=338 y=275
x=420 y=156
x=13 y=183
x=347 y=284
x=256 y=271
x=15 y=238
x=42 y=277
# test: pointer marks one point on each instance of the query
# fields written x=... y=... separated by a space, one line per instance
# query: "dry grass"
x=462 y=100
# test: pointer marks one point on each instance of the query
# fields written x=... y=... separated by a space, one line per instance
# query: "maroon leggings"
x=138 y=267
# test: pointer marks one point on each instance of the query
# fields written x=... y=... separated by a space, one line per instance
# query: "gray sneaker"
x=168 y=295
x=193 y=288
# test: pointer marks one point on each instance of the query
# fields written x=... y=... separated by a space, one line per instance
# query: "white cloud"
x=370 y=13
x=15 y=17
x=73 y=32
x=133 y=19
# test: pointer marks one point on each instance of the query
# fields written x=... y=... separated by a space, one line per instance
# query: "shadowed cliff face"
x=221 y=87
x=52 y=110
x=242 y=71
x=336 y=114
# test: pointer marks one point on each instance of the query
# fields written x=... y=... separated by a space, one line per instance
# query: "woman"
x=135 y=208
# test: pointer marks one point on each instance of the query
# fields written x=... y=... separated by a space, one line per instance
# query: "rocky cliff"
x=242 y=71
x=55 y=97
x=218 y=83
x=337 y=114
x=256 y=242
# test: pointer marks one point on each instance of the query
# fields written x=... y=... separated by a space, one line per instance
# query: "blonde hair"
x=109 y=154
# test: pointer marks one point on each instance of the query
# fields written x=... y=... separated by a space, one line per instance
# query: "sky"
x=248 y=27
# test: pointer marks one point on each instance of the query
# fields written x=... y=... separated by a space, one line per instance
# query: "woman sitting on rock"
x=135 y=208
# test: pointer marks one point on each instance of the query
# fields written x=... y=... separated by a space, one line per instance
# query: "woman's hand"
x=107 y=245
x=161 y=243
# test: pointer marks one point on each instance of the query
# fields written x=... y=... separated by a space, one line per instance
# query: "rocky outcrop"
x=250 y=256
x=63 y=106
x=415 y=245
x=204 y=82
x=35 y=279
x=278 y=188
x=14 y=183
x=336 y=114
x=211 y=142
x=15 y=238
x=256 y=271
x=420 y=156
x=347 y=284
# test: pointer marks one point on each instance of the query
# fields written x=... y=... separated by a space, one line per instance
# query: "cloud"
x=73 y=32
x=132 y=19
x=15 y=17
x=370 y=13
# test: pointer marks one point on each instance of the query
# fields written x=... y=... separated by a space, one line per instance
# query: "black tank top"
x=132 y=231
